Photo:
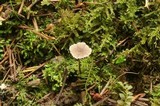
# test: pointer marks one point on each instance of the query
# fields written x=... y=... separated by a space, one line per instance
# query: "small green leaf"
x=45 y=2
x=120 y=60
x=122 y=96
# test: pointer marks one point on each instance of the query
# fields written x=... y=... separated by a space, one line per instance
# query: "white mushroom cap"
x=80 y=50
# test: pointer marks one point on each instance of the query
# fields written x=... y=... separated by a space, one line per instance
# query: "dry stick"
x=21 y=7
x=64 y=80
x=29 y=8
x=103 y=90
x=10 y=61
x=139 y=103
x=91 y=87
x=119 y=43
x=103 y=100
x=9 y=57
x=28 y=15
x=35 y=24
x=56 y=49
x=126 y=73
x=19 y=58
x=34 y=70
x=45 y=36
x=122 y=75
x=151 y=86
x=143 y=99
x=122 y=41
x=14 y=65
x=43 y=98
x=41 y=15
x=5 y=76
x=4 y=59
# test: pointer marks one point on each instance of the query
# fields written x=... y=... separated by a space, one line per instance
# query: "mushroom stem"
x=79 y=66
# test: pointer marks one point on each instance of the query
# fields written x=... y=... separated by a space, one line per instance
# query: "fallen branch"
x=103 y=100
x=42 y=35
x=65 y=73
x=21 y=7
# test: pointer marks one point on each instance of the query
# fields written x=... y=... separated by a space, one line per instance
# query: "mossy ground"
x=38 y=69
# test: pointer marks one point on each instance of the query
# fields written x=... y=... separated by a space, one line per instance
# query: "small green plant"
x=53 y=72
x=26 y=91
x=3 y=44
x=78 y=104
x=1 y=49
x=32 y=47
x=125 y=94
x=156 y=95
x=45 y=2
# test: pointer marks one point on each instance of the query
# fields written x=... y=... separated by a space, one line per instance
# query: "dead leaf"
x=138 y=96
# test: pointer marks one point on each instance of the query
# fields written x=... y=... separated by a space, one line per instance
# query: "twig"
x=5 y=76
x=103 y=100
x=122 y=75
x=45 y=36
x=29 y=8
x=34 y=70
x=5 y=58
x=103 y=90
x=122 y=41
x=14 y=65
x=28 y=15
x=35 y=23
x=140 y=95
x=43 y=98
x=95 y=3
x=126 y=73
x=91 y=87
x=143 y=99
x=65 y=73
x=147 y=3
x=11 y=63
x=56 y=49
x=21 y=7
x=139 y=103
x=31 y=5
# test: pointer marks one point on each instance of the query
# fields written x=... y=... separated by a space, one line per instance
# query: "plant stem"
x=79 y=66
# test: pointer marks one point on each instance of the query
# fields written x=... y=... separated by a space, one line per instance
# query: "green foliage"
x=156 y=95
x=26 y=95
x=33 y=48
x=53 y=72
x=1 y=49
x=78 y=104
x=125 y=94
x=120 y=59
x=45 y=2
x=3 y=44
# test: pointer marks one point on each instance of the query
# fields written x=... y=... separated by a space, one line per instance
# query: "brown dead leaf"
x=141 y=95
